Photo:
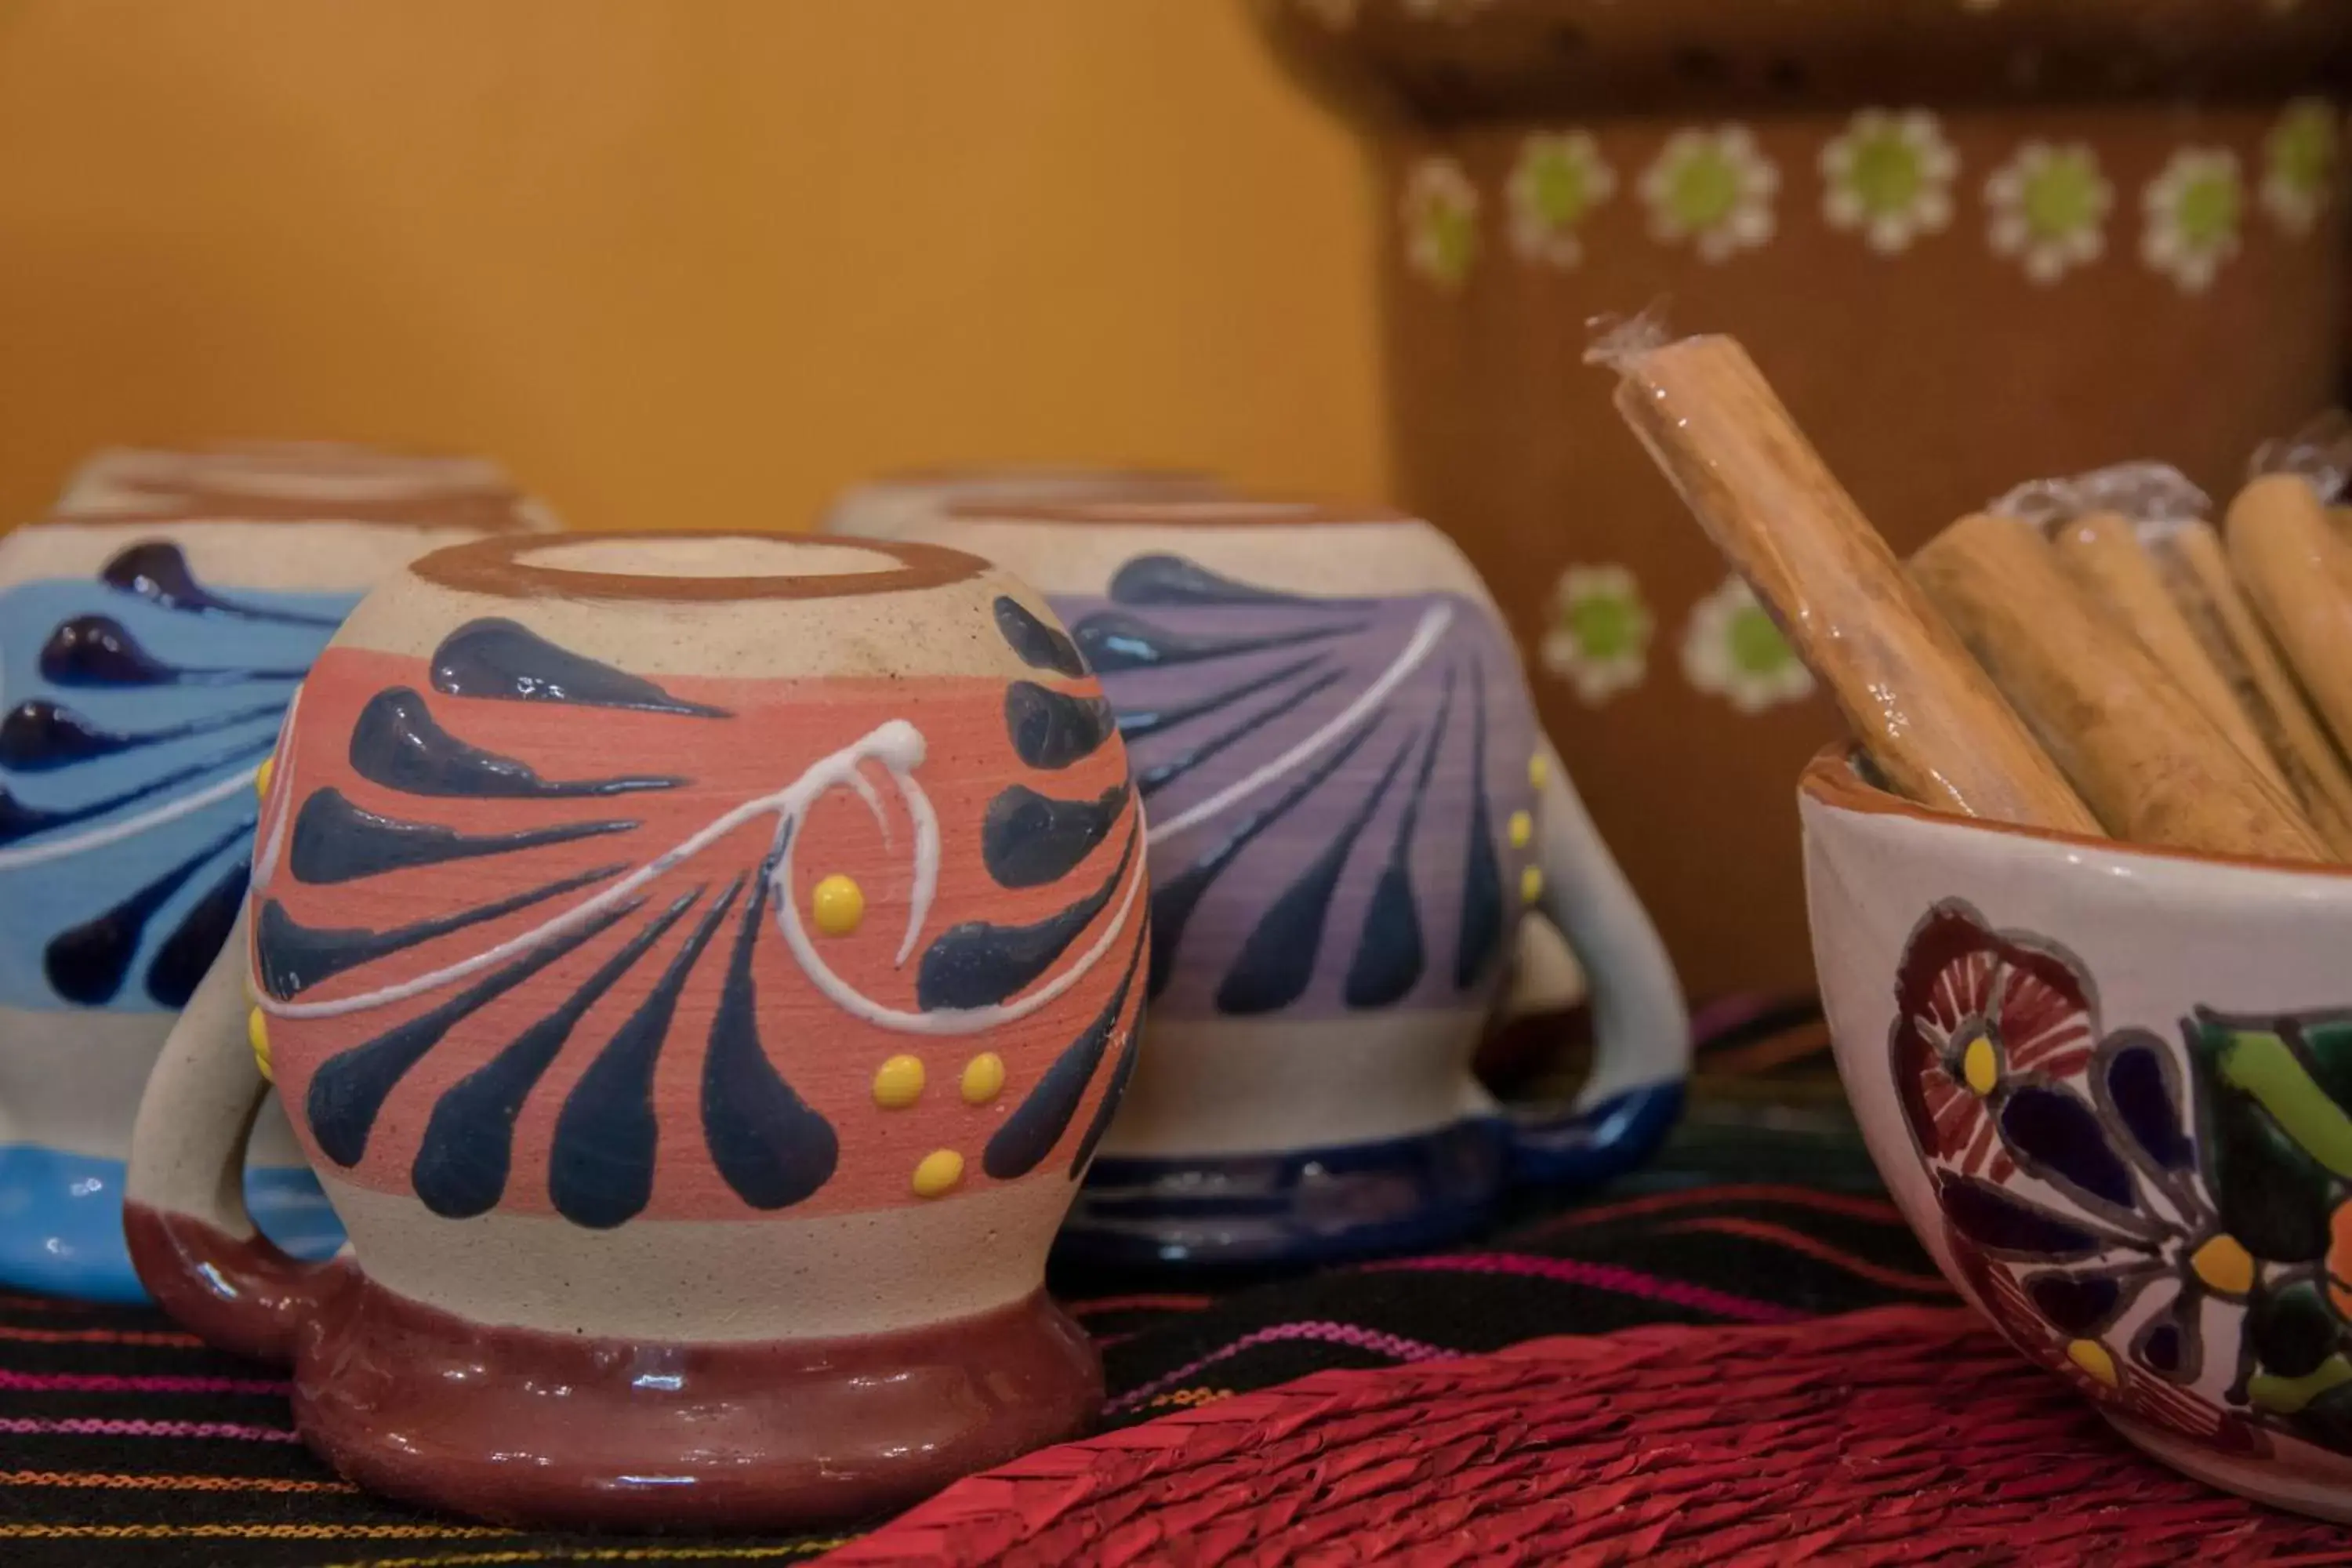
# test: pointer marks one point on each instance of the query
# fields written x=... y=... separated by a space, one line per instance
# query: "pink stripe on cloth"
x=1725 y=1014
x=93 y=1383
x=1600 y=1277
x=89 y=1426
x=1393 y=1346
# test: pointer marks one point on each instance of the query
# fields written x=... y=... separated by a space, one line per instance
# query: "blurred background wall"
x=681 y=263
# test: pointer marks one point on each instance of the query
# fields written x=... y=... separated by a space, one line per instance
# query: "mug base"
x=61 y=1222
x=529 y=1428
x=1296 y=1206
x=2263 y=1481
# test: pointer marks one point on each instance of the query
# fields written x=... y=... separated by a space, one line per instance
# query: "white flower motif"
x=1889 y=177
x=1554 y=186
x=1337 y=15
x=2050 y=207
x=1599 y=638
x=2190 y=216
x=2299 y=163
x=1712 y=187
x=1731 y=648
x=1441 y=221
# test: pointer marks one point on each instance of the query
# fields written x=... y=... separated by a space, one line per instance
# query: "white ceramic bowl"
x=2111 y=1089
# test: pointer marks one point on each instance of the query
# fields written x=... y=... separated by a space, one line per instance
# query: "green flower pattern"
x=2191 y=215
x=2299 y=161
x=1599 y=640
x=1441 y=222
x=1554 y=186
x=1889 y=178
x=1714 y=189
x=1731 y=650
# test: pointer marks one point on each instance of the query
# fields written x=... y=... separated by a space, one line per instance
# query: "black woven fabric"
x=122 y=1441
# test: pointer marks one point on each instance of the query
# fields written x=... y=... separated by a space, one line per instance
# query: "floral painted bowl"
x=2111 y=1088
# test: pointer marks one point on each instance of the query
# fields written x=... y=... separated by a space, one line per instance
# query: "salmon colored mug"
x=657 y=958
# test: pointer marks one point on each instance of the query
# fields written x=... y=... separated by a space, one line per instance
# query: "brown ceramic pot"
x=1971 y=241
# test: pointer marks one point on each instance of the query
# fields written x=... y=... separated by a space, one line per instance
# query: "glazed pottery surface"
x=144 y=667
x=900 y=506
x=304 y=479
x=661 y=956
x=1910 y=211
x=1349 y=808
x=2111 y=1088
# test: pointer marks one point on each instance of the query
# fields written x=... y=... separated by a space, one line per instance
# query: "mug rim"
x=493 y=566
x=262 y=511
x=1204 y=511
x=1831 y=779
x=929 y=474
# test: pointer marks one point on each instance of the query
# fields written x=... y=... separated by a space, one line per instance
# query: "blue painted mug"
x=1350 y=810
x=145 y=662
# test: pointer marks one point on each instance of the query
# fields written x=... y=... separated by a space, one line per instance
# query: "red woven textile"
x=1902 y=1434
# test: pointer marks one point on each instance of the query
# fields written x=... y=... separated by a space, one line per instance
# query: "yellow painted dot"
x=1523 y=828
x=898 y=1083
x=1538 y=770
x=264 y=774
x=2224 y=1265
x=983 y=1078
x=2093 y=1357
x=1980 y=1065
x=257 y=1030
x=939 y=1175
x=1530 y=884
x=838 y=905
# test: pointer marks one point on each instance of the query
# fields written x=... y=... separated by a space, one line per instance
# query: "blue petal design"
x=2058 y=1135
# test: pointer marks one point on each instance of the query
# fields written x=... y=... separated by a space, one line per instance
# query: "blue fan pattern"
x=137 y=706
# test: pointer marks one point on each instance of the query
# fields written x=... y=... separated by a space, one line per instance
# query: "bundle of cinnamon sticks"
x=2077 y=663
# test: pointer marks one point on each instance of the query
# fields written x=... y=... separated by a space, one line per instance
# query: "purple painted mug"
x=1350 y=810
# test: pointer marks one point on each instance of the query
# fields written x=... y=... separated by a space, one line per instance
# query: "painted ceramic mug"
x=1350 y=809
x=659 y=962
x=144 y=665
x=2111 y=1089
x=895 y=506
x=304 y=479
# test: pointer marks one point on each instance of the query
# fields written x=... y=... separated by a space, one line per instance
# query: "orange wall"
x=681 y=263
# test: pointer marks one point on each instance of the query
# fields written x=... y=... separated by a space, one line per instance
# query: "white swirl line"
x=1434 y=622
x=940 y=1020
x=899 y=747
x=129 y=827
x=281 y=784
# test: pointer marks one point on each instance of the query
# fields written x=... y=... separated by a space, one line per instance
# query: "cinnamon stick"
x=1926 y=714
x=2197 y=577
x=2297 y=572
x=2102 y=554
x=2140 y=753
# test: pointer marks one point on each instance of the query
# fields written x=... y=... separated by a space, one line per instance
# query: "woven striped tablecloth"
x=123 y=1441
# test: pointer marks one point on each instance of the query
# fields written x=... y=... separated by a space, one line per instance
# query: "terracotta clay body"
x=1970 y=244
x=1350 y=808
x=145 y=662
x=657 y=961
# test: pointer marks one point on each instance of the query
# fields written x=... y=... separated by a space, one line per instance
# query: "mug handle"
x=1642 y=1043
x=183 y=1217
x=1547 y=977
